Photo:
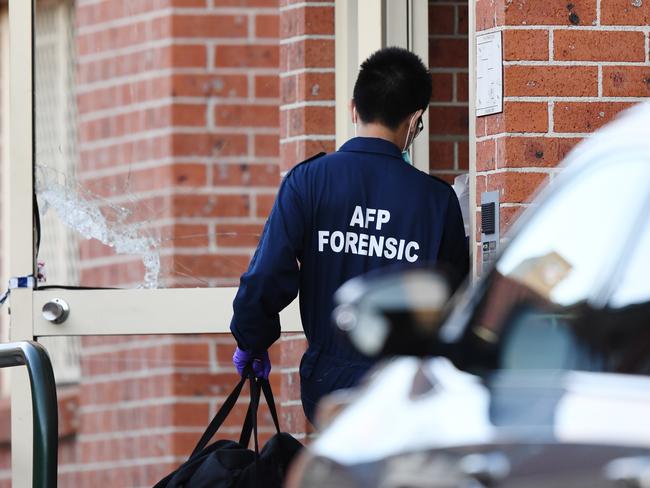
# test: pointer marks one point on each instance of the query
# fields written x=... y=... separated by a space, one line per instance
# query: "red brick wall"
x=448 y=117
x=568 y=69
x=307 y=80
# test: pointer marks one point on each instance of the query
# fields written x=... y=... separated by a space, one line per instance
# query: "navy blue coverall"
x=336 y=217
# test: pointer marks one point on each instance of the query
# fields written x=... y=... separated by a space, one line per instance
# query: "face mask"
x=418 y=128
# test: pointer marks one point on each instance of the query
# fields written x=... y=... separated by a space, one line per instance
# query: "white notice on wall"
x=489 y=74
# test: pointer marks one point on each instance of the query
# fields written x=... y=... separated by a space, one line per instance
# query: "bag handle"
x=247 y=429
x=219 y=418
x=250 y=424
x=268 y=395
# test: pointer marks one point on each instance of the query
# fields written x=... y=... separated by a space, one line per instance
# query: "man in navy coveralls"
x=340 y=215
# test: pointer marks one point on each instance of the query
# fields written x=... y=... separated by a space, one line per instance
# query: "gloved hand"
x=260 y=362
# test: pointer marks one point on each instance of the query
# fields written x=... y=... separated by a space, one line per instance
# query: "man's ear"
x=353 y=111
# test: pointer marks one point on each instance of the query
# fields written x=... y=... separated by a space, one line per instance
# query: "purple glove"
x=260 y=362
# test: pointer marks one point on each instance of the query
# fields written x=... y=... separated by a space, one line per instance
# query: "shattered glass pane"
x=92 y=217
x=157 y=152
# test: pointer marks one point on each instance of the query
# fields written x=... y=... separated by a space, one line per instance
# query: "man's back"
x=365 y=208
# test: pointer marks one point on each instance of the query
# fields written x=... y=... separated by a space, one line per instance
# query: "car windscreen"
x=540 y=307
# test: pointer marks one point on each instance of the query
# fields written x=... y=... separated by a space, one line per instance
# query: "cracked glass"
x=156 y=142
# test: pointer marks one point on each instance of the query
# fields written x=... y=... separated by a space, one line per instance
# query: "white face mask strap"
x=406 y=142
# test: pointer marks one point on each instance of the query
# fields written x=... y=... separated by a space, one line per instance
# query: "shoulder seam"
x=440 y=180
x=308 y=160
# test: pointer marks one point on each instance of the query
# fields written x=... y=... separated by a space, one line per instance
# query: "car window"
x=533 y=311
x=563 y=251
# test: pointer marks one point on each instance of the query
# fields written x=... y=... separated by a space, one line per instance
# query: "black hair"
x=392 y=84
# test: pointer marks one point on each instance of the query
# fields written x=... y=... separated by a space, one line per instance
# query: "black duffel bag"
x=227 y=463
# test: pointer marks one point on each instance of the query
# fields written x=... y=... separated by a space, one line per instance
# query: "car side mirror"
x=392 y=313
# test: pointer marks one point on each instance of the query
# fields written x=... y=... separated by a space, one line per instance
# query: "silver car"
x=535 y=377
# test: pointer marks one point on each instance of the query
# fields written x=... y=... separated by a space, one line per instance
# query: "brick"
x=599 y=45
x=185 y=235
x=156 y=58
x=524 y=152
x=515 y=187
x=123 y=94
x=307 y=20
x=113 y=275
x=190 y=355
x=209 y=144
x=267 y=26
x=550 y=12
x=91 y=249
x=449 y=120
x=185 y=205
x=462 y=19
x=507 y=217
x=249 y=56
x=183 y=175
x=441 y=19
x=489 y=14
x=94 y=14
x=585 y=117
x=526 y=117
x=490 y=125
x=486 y=155
x=248 y=3
x=118 y=37
x=441 y=155
x=203 y=384
x=267 y=86
x=188 y=56
x=192 y=175
x=551 y=81
x=462 y=148
x=625 y=12
x=223 y=266
x=448 y=53
x=248 y=175
x=267 y=145
x=293 y=418
x=316 y=86
x=203 y=85
x=307 y=87
x=462 y=87
x=307 y=120
x=188 y=115
x=209 y=26
x=525 y=45
x=442 y=87
x=292 y=348
x=310 y=147
x=264 y=204
x=246 y=115
x=238 y=235
x=307 y=53
x=626 y=81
